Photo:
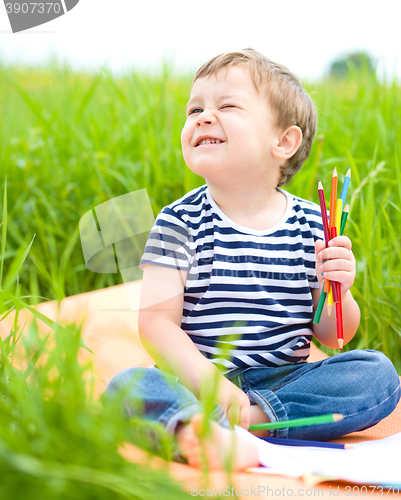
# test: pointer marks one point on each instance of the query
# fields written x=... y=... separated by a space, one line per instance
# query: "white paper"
x=369 y=462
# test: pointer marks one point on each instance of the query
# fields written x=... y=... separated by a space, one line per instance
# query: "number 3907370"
x=31 y=7
x=377 y=490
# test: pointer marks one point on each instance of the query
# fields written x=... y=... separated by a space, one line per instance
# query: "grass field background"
x=70 y=141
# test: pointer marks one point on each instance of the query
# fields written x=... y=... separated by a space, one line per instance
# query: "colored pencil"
x=339 y=209
x=298 y=422
x=320 y=306
x=333 y=197
x=305 y=442
x=323 y=211
x=344 y=219
x=330 y=301
x=345 y=187
x=339 y=319
x=334 y=284
x=337 y=301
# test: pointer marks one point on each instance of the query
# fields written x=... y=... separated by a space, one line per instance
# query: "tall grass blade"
x=16 y=266
x=3 y=233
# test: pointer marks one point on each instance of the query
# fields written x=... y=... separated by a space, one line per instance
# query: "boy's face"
x=227 y=107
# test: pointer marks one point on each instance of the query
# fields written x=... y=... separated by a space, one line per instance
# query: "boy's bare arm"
x=159 y=327
x=173 y=351
x=339 y=266
x=326 y=330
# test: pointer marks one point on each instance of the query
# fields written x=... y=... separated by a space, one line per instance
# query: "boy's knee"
x=125 y=377
x=380 y=370
x=380 y=361
x=140 y=378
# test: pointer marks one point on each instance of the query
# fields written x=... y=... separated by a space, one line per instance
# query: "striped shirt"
x=247 y=297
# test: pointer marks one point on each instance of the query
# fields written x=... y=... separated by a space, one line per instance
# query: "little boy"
x=232 y=276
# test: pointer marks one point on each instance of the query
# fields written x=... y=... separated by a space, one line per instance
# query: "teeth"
x=209 y=141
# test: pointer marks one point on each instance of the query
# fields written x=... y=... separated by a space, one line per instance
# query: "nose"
x=207 y=117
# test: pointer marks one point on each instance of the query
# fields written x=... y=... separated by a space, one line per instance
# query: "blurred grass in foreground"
x=56 y=440
x=69 y=141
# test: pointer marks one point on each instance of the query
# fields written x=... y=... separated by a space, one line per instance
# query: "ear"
x=288 y=143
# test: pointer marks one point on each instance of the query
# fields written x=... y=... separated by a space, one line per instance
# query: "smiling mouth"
x=208 y=142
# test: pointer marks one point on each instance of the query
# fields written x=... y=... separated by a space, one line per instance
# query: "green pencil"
x=344 y=219
x=298 y=422
x=320 y=306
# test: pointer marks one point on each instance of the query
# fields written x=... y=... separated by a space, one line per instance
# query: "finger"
x=245 y=417
x=233 y=414
x=341 y=275
x=338 y=264
x=341 y=241
x=345 y=278
x=319 y=246
x=336 y=253
x=334 y=265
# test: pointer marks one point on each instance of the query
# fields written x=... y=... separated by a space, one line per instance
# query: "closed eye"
x=196 y=110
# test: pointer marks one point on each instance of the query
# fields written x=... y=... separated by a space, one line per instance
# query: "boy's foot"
x=220 y=446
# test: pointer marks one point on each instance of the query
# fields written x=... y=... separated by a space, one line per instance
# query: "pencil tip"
x=346 y=208
x=320 y=185
x=340 y=343
x=348 y=174
x=348 y=447
x=337 y=417
x=335 y=171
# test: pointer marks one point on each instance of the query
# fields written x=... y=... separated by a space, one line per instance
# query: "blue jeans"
x=362 y=385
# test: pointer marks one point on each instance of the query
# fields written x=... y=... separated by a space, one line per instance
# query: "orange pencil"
x=334 y=284
x=333 y=233
x=333 y=197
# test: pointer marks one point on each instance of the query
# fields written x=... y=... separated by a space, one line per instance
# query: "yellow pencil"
x=330 y=300
x=339 y=209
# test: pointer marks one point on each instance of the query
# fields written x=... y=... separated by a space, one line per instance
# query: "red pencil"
x=334 y=284
x=339 y=318
x=323 y=210
x=337 y=300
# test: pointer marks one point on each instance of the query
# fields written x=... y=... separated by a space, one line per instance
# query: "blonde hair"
x=286 y=96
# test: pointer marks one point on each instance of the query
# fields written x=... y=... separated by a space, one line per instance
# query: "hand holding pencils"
x=333 y=227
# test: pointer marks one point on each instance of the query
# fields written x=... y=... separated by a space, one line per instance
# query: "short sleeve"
x=169 y=242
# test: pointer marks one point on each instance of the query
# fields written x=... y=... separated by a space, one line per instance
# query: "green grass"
x=56 y=439
x=70 y=141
